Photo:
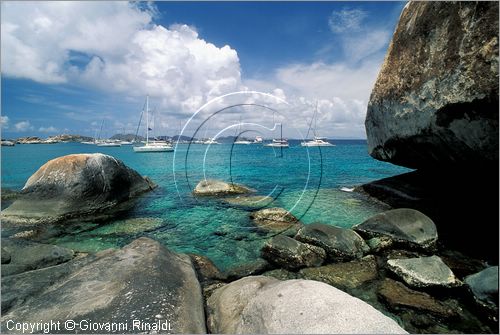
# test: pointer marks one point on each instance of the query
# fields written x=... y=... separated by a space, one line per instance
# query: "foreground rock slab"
x=404 y=226
x=142 y=281
x=213 y=187
x=25 y=256
x=398 y=296
x=339 y=243
x=422 y=272
x=80 y=185
x=292 y=254
x=264 y=305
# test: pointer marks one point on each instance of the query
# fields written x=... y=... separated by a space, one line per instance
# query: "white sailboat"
x=153 y=146
x=279 y=143
x=240 y=140
x=316 y=141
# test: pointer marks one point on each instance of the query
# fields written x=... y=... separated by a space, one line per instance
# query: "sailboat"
x=152 y=146
x=105 y=143
x=242 y=140
x=316 y=141
x=278 y=143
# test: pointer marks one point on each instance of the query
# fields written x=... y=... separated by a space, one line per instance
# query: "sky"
x=67 y=67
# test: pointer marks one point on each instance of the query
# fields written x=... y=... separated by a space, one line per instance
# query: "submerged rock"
x=424 y=272
x=276 y=220
x=339 y=243
x=404 y=226
x=5 y=256
x=292 y=254
x=26 y=256
x=347 y=275
x=398 y=296
x=143 y=281
x=80 y=185
x=206 y=269
x=435 y=101
x=212 y=187
x=247 y=269
x=264 y=305
x=251 y=201
x=484 y=286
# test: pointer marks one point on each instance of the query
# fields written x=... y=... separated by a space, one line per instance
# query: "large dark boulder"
x=435 y=101
x=80 y=185
x=142 y=281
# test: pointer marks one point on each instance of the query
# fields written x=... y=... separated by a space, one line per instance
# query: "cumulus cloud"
x=115 y=46
x=4 y=121
x=346 y=20
x=49 y=129
x=23 y=126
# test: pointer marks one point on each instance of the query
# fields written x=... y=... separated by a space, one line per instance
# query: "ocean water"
x=306 y=181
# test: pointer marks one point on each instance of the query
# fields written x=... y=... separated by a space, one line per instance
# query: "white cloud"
x=23 y=126
x=114 y=46
x=4 y=122
x=346 y=20
x=49 y=129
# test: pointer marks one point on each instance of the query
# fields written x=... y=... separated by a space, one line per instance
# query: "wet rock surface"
x=276 y=220
x=404 y=226
x=291 y=254
x=346 y=275
x=212 y=187
x=339 y=243
x=484 y=287
x=424 y=272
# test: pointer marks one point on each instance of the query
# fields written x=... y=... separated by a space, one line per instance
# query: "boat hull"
x=153 y=149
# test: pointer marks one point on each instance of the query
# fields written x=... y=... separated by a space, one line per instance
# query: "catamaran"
x=152 y=146
x=316 y=141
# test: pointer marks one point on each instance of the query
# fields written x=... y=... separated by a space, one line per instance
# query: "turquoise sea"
x=305 y=181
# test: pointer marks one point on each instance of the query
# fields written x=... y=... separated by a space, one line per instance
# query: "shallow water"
x=305 y=181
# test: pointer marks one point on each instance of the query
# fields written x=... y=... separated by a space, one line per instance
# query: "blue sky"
x=68 y=66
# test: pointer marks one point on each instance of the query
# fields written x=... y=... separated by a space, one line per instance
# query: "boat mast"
x=147 y=119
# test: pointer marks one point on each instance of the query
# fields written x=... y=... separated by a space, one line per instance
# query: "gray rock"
x=484 y=286
x=346 y=275
x=143 y=280
x=26 y=256
x=276 y=220
x=206 y=269
x=80 y=185
x=5 y=256
x=397 y=296
x=435 y=101
x=339 y=243
x=247 y=269
x=378 y=244
x=424 y=272
x=264 y=305
x=292 y=254
x=404 y=226
x=212 y=187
